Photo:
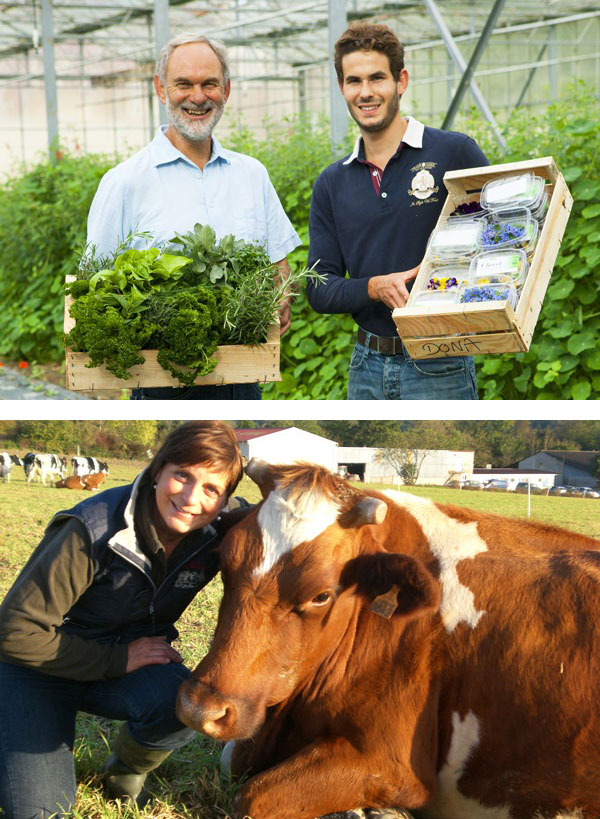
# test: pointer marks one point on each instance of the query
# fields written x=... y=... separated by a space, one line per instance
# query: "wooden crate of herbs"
x=430 y=331
x=236 y=364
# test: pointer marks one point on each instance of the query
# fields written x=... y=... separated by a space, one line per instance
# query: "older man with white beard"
x=185 y=176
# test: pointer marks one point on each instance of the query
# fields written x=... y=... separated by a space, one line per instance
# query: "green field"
x=189 y=784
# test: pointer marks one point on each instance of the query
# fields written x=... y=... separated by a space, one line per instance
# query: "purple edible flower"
x=500 y=233
x=485 y=294
x=466 y=209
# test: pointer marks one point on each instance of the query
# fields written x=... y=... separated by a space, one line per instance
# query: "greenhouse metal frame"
x=80 y=73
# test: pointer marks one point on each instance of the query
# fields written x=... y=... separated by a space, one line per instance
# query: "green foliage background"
x=43 y=215
x=563 y=360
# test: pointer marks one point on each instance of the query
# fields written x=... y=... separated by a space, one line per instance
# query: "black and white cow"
x=29 y=466
x=84 y=465
x=6 y=465
x=42 y=465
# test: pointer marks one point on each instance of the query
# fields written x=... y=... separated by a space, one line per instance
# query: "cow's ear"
x=261 y=473
x=395 y=584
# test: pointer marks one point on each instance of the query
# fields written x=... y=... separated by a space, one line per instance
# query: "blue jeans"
x=37 y=729
x=217 y=392
x=374 y=376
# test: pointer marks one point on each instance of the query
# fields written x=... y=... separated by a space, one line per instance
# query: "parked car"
x=522 y=488
x=592 y=493
x=496 y=485
x=579 y=491
x=558 y=490
x=586 y=492
x=472 y=485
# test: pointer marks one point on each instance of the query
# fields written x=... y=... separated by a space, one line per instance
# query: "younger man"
x=371 y=216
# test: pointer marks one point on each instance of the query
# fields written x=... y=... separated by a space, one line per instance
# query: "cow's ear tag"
x=386 y=604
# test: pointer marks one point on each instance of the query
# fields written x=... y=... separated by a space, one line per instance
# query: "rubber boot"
x=124 y=772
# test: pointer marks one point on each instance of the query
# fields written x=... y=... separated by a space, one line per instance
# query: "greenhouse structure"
x=80 y=72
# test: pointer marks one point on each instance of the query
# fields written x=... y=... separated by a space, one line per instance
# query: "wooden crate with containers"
x=489 y=261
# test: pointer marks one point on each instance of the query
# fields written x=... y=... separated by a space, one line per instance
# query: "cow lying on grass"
x=90 y=482
x=378 y=649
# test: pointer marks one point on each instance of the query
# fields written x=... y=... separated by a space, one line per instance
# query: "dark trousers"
x=37 y=729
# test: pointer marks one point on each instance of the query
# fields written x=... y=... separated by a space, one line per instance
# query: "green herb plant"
x=182 y=304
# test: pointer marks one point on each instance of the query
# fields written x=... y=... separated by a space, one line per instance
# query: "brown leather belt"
x=386 y=345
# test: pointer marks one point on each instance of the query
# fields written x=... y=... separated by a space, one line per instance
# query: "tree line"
x=501 y=443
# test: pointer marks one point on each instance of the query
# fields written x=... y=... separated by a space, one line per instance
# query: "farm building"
x=279 y=446
x=513 y=476
x=573 y=468
x=436 y=467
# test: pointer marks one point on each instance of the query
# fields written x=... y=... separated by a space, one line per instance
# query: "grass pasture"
x=189 y=785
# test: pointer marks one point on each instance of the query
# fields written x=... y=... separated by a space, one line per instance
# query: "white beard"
x=194 y=131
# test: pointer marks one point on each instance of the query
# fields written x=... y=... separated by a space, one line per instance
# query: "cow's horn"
x=257 y=470
x=371 y=510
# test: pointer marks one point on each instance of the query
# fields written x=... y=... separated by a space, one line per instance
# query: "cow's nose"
x=205 y=710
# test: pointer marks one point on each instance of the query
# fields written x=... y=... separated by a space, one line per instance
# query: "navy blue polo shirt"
x=355 y=230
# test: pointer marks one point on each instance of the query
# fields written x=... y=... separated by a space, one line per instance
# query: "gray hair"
x=183 y=39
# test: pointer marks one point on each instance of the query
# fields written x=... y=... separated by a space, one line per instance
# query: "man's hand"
x=284 y=317
x=391 y=288
x=150 y=651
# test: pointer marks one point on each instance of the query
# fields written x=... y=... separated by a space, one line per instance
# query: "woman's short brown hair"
x=202 y=442
x=364 y=36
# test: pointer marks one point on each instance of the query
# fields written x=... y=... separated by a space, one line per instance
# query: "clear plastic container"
x=540 y=213
x=508 y=228
x=447 y=277
x=475 y=293
x=454 y=242
x=511 y=263
x=435 y=298
x=524 y=190
x=490 y=279
x=467 y=210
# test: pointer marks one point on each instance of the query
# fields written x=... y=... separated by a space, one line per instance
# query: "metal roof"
x=292 y=31
x=100 y=55
x=251 y=434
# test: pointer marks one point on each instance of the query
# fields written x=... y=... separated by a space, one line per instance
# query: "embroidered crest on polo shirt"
x=189 y=579
x=423 y=184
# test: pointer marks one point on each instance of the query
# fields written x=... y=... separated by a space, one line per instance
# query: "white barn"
x=282 y=446
x=437 y=468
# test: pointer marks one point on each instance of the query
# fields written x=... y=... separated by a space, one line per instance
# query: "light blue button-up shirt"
x=161 y=191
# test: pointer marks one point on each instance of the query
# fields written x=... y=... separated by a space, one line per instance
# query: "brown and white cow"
x=88 y=482
x=379 y=649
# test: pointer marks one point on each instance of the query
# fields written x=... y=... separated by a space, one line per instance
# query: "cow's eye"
x=321 y=599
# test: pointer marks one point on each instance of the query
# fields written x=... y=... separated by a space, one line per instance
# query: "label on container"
x=516 y=188
x=507 y=264
x=463 y=237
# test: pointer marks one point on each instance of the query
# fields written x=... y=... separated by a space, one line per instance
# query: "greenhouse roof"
x=123 y=30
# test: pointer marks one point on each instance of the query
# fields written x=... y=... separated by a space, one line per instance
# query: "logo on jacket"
x=423 y=184
x=189 y=579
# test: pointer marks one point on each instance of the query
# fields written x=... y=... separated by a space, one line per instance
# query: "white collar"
x=413 y=136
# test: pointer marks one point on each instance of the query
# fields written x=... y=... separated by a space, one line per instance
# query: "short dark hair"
x=364 y=36
x=202 y=442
